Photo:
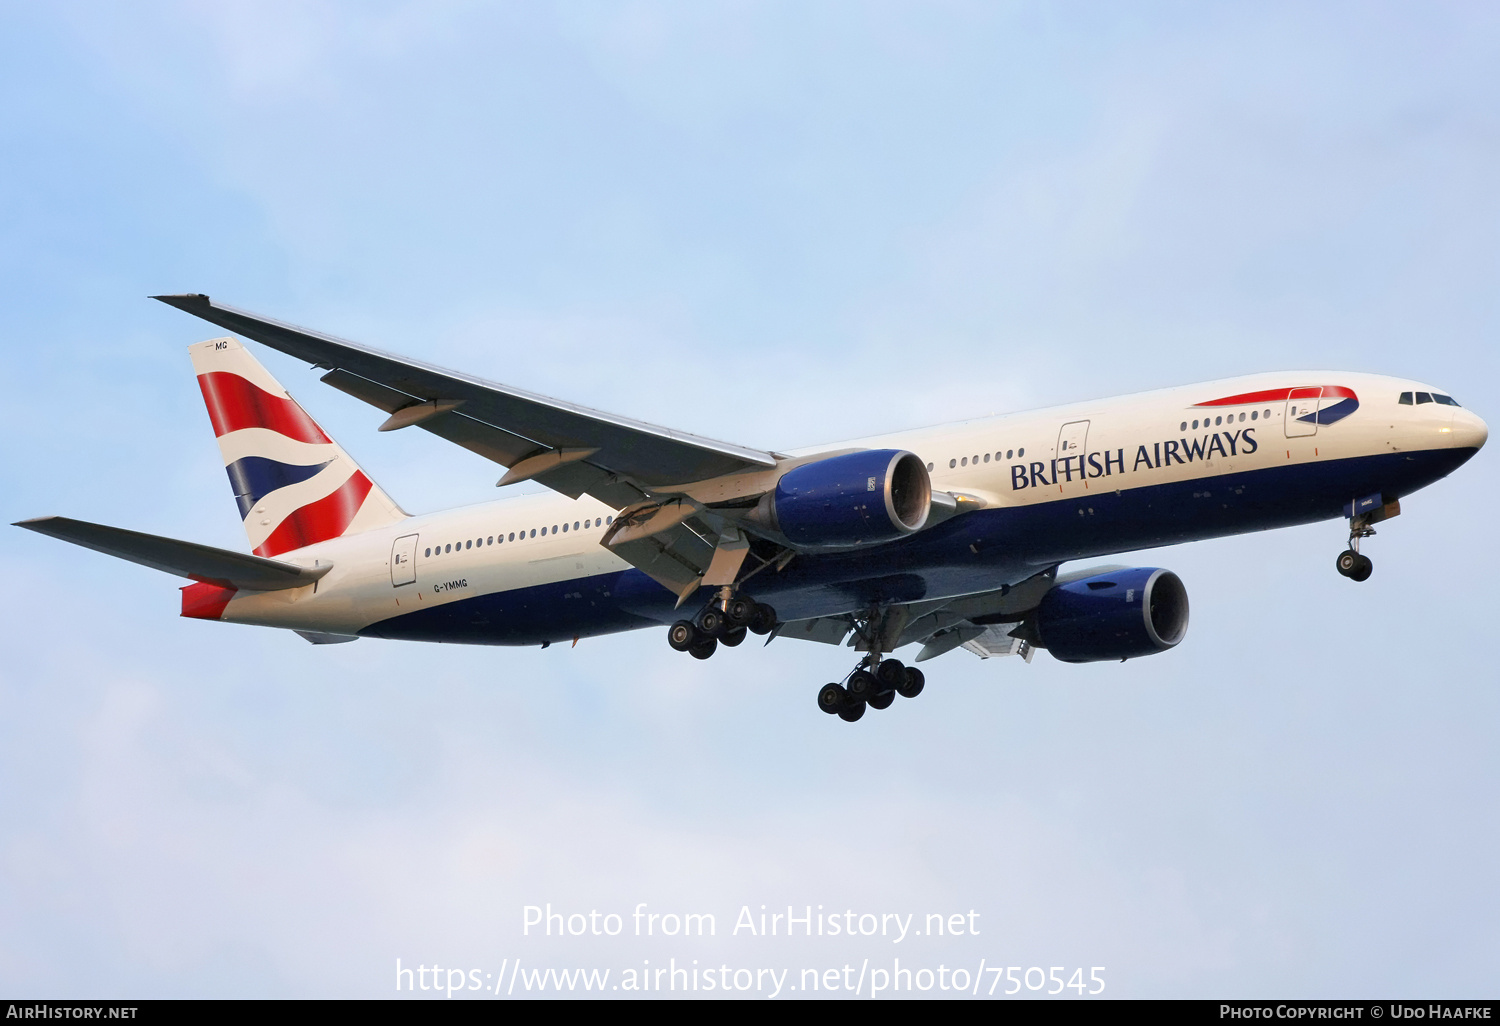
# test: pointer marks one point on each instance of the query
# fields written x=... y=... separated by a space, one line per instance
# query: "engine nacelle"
x=859 y=498
x=1118 y=615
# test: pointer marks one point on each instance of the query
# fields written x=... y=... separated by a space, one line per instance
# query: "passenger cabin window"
x=1405 y=399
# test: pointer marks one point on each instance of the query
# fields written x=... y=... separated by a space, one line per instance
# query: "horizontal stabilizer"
x=185 y=559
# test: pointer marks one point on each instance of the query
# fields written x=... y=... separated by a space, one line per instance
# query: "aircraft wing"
x=571 y=449
x=185 y=559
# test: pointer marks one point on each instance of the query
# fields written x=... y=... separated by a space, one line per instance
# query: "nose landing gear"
x=1375 y=508
x=1351 y=562
x=1355 y=566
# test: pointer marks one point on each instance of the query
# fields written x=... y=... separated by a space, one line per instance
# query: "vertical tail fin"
x=295 y=486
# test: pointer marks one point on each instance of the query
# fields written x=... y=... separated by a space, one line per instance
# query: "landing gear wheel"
x=682 y=635
x=733 y=638
x=711 y=622
x=764 y=620
x=831 y=698
x=915 y=682
x=861 y=685
x=1363 y=568
x=704 y=648
x=1347 y=561
x=852 y=711
x=739 y=612
x=882 y=701
x=891 y=674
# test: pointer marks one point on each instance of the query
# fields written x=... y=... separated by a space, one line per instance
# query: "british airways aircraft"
x=943 y=537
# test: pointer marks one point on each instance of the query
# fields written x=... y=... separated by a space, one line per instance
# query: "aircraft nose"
x=1469 y=431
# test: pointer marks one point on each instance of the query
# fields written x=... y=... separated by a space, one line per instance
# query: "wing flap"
x=827 y=630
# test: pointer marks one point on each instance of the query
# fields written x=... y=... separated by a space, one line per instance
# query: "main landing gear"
x=724 y=621
x=875 y=683
x=1351 y=562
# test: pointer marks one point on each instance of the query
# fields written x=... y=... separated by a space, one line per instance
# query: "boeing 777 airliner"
x=944 y=537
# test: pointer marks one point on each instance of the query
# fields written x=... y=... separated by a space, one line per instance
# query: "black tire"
x=882 y=701
x=740 y=611
x=682 y=635
x=861 y=685
x=1347 y=561
x=831 y=698
x=891 y=674
x=711 y=622
x=1363 y=568
x=852 y=711
x=764 y=620
x=704 y=648
x=916 y=680
x=732 y=638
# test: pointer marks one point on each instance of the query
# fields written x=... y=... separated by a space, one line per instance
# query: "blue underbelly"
x=976 y=552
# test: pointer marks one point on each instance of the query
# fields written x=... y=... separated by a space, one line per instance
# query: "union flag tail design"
x=295 y=486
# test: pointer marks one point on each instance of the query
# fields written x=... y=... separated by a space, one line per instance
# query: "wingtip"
x=182 y=300
x=36 y=522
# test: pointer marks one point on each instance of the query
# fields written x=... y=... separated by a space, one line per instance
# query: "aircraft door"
x=404 y=560
x=1072 y=445
x=1302 y=411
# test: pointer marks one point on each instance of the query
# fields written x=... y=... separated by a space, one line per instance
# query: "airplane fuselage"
x=1066 y=483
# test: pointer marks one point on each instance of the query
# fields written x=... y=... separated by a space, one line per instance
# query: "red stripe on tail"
x=318 y=521
x=205 y=601
x=235 y=403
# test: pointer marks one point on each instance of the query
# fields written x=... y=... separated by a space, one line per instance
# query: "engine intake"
x=860 y=498
x=1120 y=615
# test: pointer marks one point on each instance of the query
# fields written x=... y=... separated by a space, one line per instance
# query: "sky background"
x=778 y=224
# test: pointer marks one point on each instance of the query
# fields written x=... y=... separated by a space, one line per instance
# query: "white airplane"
x=943 y=537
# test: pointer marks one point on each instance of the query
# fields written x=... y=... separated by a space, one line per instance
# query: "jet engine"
x=1119 y=615
x=859 y=498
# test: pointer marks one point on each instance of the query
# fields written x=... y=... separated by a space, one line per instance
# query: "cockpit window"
x=1424 y=397
x=1405 y=399
x=1446 y=400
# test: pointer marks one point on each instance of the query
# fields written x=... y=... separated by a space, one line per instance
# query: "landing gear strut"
x=1351 y=562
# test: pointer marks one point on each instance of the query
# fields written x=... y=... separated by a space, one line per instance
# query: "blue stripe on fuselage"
x=1329 y=414
x=976 y=552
